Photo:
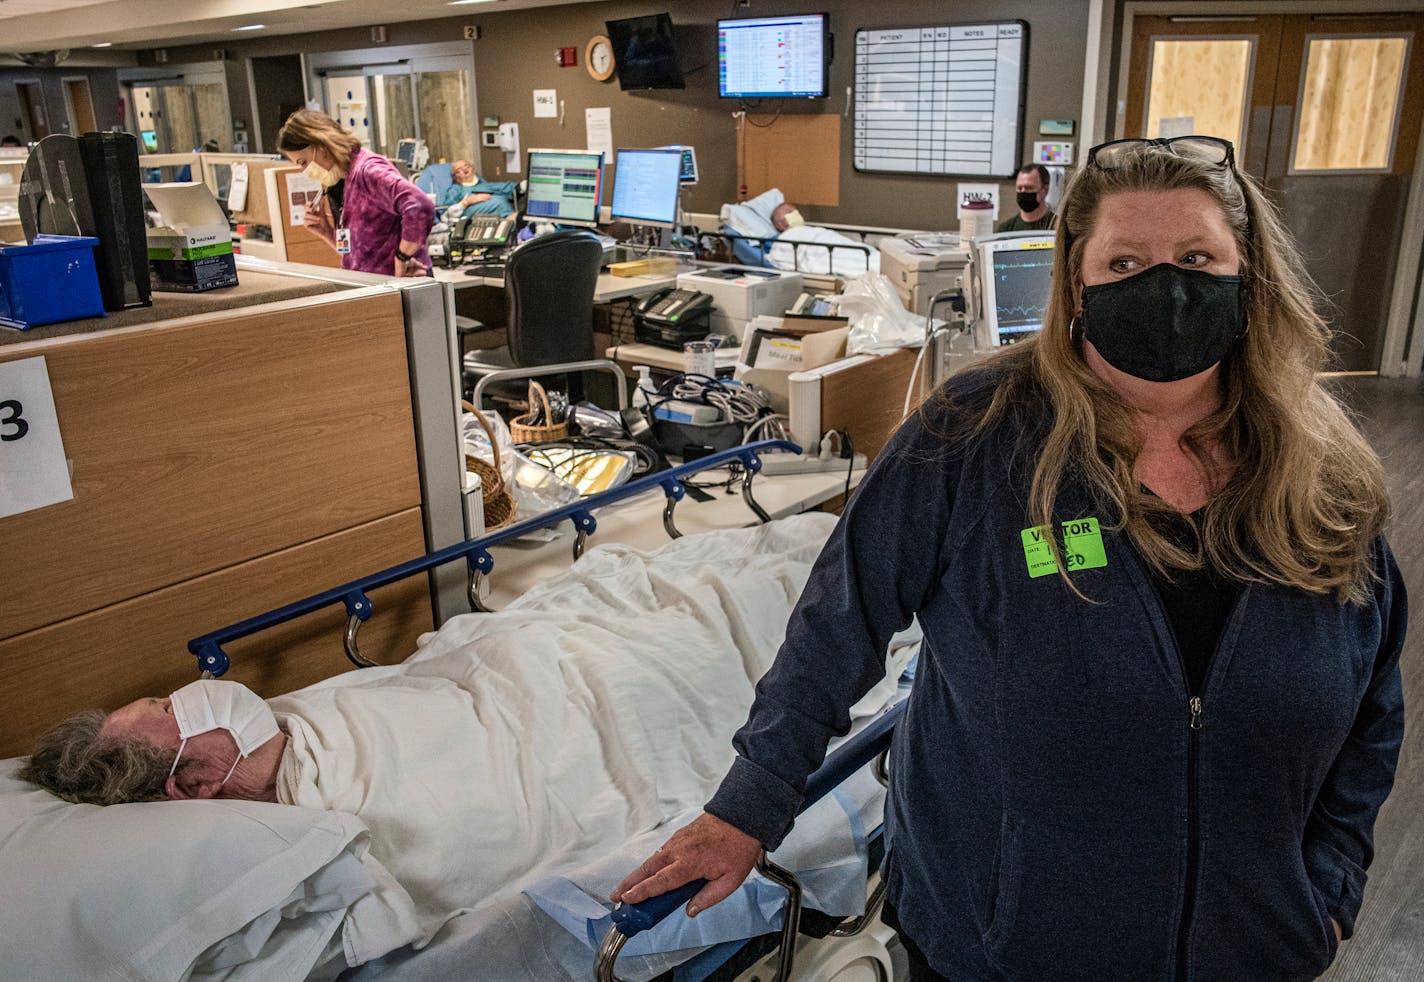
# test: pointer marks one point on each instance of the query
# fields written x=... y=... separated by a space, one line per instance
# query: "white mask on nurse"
x=212 y=704
x=321 y=175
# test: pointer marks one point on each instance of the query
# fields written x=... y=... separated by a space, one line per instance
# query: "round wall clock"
x=598 y=57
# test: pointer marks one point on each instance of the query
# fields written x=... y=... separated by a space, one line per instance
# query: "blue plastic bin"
x=50 y=280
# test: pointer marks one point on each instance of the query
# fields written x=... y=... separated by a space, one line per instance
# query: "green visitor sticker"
x=1082 y=547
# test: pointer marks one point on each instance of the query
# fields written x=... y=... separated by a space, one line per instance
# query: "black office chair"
x=549 y=283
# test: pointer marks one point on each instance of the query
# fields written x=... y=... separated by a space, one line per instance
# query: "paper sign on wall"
x=237 y=190
x=33 y=472
x=546 y=103
x=301 y=191
x=599 y=124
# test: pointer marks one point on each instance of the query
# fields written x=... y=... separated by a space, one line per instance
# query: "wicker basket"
x=498 y=502
x=521 y=428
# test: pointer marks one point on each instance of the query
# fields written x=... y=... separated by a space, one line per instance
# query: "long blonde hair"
x=309 y=128
x=1306 y=494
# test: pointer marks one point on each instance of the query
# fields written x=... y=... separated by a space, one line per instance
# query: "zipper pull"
x=1194 y=707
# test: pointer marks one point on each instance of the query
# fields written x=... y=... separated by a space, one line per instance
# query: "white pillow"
x=753 y=217
x=142 y=891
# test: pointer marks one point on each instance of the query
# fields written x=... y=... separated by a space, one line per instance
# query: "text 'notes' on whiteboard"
x=940 y=100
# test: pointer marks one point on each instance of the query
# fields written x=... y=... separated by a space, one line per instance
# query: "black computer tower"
x=116 y=201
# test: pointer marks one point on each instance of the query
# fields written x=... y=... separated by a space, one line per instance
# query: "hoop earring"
x=1075 y=329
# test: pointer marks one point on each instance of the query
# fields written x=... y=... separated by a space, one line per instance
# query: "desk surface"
x=609 y=287
x=638 y=522
x=656 y=356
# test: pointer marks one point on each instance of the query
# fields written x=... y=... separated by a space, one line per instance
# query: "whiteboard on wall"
x=940 y=100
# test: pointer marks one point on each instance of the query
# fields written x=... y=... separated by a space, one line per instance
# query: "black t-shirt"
x=1197 y=601
x=336 y=194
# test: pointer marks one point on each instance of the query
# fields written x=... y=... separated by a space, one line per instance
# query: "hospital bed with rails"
x=637 y=664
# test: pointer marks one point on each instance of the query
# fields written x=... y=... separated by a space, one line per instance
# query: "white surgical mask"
x=794 y=219
x=212 y=704
x=321 y=175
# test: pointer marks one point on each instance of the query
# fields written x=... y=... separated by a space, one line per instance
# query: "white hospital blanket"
x=816 y=258
x=517 y=745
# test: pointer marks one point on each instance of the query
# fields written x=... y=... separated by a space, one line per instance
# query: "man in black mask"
x=1031 y=196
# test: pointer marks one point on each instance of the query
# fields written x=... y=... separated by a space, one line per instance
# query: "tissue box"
x=191 y=260
x=51 y=280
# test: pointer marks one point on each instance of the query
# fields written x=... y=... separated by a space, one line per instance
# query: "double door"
x=1325 y=112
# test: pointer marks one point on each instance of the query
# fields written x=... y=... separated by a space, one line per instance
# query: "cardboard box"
x=192 y=252
x=656 y=266
x=192 y=260
x=770 y=357
x=813 y=323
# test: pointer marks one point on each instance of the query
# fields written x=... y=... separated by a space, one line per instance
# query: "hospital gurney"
x=689 y=614
x=870 y=744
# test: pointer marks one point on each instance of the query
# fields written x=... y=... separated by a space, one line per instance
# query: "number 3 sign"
x=33 y=472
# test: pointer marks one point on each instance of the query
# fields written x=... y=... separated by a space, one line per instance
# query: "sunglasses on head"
x=1207 y=149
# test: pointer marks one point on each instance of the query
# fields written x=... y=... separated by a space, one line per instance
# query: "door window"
x=1199 y=86
x=1351 y=91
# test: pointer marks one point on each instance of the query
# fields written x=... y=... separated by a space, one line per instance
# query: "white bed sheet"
x=806 y=249
x=594 y=712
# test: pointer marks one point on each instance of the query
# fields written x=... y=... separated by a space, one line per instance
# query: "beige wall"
x=515 y=55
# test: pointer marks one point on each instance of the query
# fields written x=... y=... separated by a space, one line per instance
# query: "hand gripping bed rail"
x=208 y=647
x=630 y=920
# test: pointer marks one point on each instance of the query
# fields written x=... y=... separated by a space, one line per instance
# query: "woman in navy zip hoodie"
x=1158 y=705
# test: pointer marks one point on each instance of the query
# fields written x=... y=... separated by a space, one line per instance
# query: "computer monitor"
x=645 y=186
x=564 y=187
x=412 y=153
x=688 y=176
x=1011 y=282
x=761 y=57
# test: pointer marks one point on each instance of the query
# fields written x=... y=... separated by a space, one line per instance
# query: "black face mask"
x=1166 y=323
x=1027 y=200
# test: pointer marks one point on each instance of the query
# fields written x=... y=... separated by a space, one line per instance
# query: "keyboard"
x=495 y=269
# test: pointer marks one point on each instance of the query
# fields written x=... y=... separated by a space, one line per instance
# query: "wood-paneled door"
x=1325 y=111
x=80 y=104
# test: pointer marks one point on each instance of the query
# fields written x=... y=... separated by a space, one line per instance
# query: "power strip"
x=794 y=463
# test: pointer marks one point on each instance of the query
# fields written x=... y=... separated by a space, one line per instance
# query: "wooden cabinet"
x=222 y=465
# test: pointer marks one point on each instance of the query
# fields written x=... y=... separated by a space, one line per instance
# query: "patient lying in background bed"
x=509 y=746
x=791 y=244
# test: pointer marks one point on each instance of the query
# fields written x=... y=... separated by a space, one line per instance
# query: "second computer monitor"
x=564 y=187
x=645 y=185
x=689 y=163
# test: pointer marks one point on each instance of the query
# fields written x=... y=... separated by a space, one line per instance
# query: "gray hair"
x=74 y=761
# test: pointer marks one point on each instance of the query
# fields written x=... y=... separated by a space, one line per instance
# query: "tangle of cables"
x=737 y=402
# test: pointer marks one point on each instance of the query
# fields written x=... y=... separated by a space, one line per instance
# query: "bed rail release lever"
x=674 y=490
x=585 y=524
x=212 y=660
x=358 y=609
x=480 y=563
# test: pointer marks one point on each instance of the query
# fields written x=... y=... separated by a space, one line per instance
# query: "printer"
x=921 y=264
x=741 y=293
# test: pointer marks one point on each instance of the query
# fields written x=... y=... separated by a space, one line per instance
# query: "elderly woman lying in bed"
x=509 y=747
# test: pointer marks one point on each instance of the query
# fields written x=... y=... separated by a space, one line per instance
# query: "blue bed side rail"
x=845 y=760
x=208 y=647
